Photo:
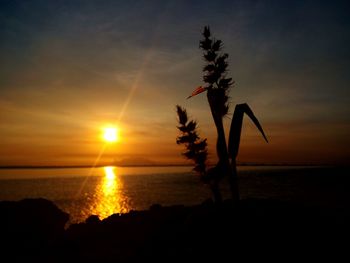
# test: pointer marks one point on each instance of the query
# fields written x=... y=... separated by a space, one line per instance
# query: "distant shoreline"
x=86 y=166
x=143 y=165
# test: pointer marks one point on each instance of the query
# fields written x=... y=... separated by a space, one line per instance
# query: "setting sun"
x=111 y=134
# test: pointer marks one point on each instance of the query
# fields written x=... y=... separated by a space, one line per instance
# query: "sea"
x=103 y=191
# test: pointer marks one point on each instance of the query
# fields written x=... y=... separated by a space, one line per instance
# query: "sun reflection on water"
x=109 y=197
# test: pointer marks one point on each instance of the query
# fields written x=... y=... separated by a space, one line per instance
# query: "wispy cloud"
x=67 y=67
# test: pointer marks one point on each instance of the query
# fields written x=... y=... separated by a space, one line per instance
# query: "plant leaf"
x=236 y=128
x=182 y=114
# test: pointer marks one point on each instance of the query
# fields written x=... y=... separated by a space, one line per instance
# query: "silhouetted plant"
x=218 y=86
x=196 y=150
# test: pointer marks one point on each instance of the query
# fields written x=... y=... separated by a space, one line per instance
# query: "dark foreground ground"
x=32 y=230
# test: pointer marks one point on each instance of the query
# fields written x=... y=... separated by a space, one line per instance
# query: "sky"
x=69 y=68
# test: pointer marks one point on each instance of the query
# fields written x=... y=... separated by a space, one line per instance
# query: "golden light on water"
x=109 y=172
x=109 y=197
x=109 y=187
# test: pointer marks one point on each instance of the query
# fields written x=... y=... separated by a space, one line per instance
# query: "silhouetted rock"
x=28 y=228
x=270 y=229
x=155 y=207
x=93 y=219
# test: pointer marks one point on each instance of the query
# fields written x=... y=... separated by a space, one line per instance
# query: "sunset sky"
x=69 y=68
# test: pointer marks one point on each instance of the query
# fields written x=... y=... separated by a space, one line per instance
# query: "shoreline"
x=272 y=228
x=10 y=167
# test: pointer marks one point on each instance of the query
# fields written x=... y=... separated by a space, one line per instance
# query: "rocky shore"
x=33 y=230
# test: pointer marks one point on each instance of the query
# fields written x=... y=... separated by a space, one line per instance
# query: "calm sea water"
x=107 y=190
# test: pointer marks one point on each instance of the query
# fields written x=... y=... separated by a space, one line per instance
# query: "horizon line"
x=151 y=165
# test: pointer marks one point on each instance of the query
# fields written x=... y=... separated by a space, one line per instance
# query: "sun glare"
x=109 y=172
x=111 y=134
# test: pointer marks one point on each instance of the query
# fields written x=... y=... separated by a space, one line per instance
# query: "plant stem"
x=233 y=179
x=221 y=148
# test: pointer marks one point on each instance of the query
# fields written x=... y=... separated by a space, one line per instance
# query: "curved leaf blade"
x=236 y=128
